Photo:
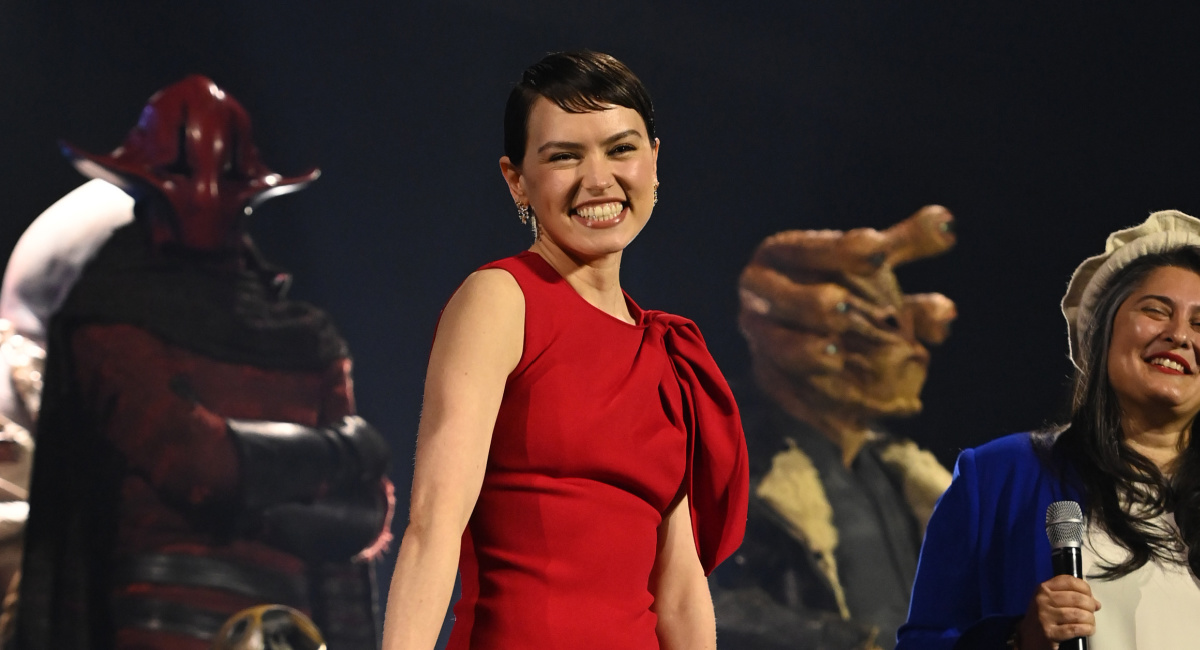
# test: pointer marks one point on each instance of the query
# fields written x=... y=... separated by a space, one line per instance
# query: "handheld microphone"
x=1064 y=527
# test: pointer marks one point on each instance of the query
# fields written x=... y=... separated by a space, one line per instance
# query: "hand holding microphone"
x=1062 y=613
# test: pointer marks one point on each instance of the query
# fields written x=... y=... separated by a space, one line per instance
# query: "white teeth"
x=1167 y=363
x=602 y=212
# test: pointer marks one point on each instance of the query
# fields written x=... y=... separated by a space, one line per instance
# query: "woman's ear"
x=657 y=142
x=512 y=176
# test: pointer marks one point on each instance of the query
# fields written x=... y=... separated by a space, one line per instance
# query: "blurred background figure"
x=837 y=506
x=269 y=627
x=41 y=270
x=198 y=448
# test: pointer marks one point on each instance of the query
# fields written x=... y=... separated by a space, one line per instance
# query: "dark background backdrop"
x=1041 y=127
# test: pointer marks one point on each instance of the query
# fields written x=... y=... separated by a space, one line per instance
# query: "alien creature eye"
x=239 y=630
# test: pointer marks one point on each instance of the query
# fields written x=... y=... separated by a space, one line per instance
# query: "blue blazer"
x=985 y=549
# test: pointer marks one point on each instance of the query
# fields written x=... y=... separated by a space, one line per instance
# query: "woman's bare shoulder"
x=485 y=318
x=488 y=294
x=492 y=280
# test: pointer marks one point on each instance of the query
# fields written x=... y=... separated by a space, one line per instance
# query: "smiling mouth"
x=1171 y=364
x=599 y=212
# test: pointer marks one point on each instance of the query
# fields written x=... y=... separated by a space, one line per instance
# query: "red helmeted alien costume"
x=198 y=452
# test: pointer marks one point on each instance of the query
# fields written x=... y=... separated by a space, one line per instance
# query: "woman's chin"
x=596 y=243
x=1162 y=404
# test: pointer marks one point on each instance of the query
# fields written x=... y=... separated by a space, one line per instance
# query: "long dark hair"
x=1123 y=490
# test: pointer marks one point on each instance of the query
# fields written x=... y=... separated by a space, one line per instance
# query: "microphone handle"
x=1069 y=561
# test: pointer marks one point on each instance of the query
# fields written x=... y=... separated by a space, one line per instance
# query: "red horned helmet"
x=192 y=147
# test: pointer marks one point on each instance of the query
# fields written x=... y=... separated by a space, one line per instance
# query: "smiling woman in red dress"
x=580 y=460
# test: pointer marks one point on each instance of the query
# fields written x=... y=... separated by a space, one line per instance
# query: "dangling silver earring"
x=527 y=216
x=656 y=193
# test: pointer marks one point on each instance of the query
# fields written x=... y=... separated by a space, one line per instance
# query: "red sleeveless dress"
x=602 y=426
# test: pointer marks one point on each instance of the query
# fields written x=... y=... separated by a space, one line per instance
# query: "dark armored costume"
x=827 y=547
x=198 y=452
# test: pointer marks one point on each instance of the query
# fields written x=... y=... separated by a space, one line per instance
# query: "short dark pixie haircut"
x=578 y=82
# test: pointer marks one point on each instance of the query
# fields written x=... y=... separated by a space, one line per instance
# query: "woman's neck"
x=1161 y=443
x=598 y=281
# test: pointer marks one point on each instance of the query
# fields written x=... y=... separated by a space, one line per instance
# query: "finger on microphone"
x=1073 y=599
x=1072 y=631
x=1067 y=582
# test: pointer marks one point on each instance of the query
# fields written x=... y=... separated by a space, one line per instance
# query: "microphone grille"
x=1064 y=524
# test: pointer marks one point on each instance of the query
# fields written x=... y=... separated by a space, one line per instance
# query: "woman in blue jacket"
x=984 y=579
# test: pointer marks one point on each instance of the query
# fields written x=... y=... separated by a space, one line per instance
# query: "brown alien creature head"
x=830 y=330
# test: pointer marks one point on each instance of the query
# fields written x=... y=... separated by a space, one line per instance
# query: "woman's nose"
x=597 y=175
x=1180 y=332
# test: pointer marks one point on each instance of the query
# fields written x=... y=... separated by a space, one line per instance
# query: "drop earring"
x=527 y=217
x=655 y=192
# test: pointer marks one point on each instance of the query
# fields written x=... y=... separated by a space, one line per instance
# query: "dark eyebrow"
x=575 y=146
x=1195 y=309
x=622 y=135
x=1163 y=299
x=558 y=144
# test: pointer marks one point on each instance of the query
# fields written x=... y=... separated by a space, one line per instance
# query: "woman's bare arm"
x=682 y=601
x=478 y=343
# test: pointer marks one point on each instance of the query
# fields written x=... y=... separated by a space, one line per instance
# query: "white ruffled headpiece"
x=1162 y=231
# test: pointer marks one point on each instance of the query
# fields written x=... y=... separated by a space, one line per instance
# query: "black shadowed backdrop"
x=1041 y=127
